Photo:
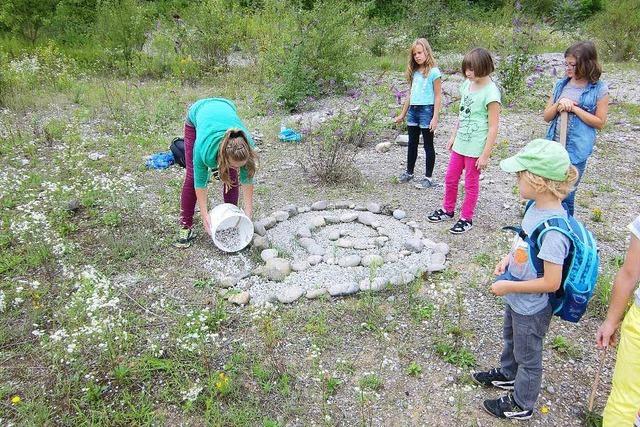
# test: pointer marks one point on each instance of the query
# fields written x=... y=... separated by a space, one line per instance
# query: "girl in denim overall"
x=585 y=97
x=421 y=109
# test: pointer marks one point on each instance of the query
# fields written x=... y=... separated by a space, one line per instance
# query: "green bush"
x=618 y=28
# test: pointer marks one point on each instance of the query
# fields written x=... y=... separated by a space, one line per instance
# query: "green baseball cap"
x=542 y=157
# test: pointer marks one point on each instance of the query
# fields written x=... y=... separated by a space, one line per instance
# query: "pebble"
x=441 y=247
x=269 y=222
x=73 y=205
x=241 y=298
x=291 y=209
x=314 y=259
x=281 y=216
x=347 y=288
x=349 y=261
x=343 y=204
x=344 y=243
x=383 y=147
x=305 y=242
x=399 y=214
x=374 y=207
x=315 y=249
x=277 y=269
x=332 y=219
x=319 y=205
x=383 y=231
x=228 y=282
x=362 y=245
x=414 y=244
x=402 y=140
x=366 y=218
x=359 y=208
x=259 y=228
x=349 y=217
x=259 y=242
x=317 y=222
x=432 y=268
x=315 y=293
x=333 y=235
x=303 y=232
x=268 y=254
x=300 y=265
x=290 y=294
x=550 y=389
x=438 y=258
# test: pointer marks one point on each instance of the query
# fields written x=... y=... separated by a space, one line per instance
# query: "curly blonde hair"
x=235 y=147
x=413 y=66
x=559 y=189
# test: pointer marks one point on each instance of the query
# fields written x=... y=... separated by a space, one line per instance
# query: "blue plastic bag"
x=161 y=160
x=289 y=135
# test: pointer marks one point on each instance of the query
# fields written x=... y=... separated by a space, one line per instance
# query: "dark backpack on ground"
x=177 y=148
x=580 y=269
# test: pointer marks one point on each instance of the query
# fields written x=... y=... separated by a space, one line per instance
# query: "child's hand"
x=606 y=334
x=450 y=143
x=433 y=125
x=565 y=104
x=501 y=266
x=499 y=287
x=398 y=119
x=205 y=222
x=482 y=162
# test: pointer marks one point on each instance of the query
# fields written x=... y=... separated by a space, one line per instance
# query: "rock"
x=228 y=282
x=346 y=288
x=269 y=222
x=329 y=259
x=359 y=208
x=303 y=231
x=258 y=271
x=383 y=147
x=349 y=261
x=268 y=254
x=438 y=258
x=259 y=228
x=349 y=217
x=442 y=248
x=259 y=242
x=550 y=389
x=366 y=218
x=281 y=216
x=344 y=233
x=73 y=205
x=402 y=140
x=378 y=284
x=277 y=269
x=367 y=260
x=383 y=231
x=365 y=284
x=290 y=294
x=380 y=241
x=291 y=209
x=317 y=222
x=412 y=224
x=376 y=224
x=413 y=244
x=241 y=298
x=399 y=214
x=96 y=156
x=315 y=293
x=319 y=205
x=362 y=245
x=428 y=243
x=314 y=259
x=342 y=204
x=332 y=219
x=391 y=257
x=374 y=208
x=333 y=235
x=299 y=265
x=417 y=233
x=303 y=209
x=344 y=243
x=432 y=268
x=315 y=249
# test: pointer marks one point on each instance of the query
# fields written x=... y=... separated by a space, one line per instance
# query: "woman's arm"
x=201 y=196
x=247 y=198
x=597 y=120
x=550 y=111
x=437 y=101
x=550 y=282
x=492 y=135
x=623 y=286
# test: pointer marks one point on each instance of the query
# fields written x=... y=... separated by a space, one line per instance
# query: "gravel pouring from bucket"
x=231 y=229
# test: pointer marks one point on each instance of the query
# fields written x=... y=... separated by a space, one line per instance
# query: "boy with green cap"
x=546 y=176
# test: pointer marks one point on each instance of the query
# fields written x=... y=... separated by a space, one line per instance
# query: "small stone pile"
x=229 y=237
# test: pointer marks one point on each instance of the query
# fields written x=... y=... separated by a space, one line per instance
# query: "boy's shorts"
x=420 y=115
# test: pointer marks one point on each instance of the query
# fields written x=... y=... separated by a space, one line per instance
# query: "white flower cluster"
x=92 y=321
x=198 y=331
x=192 y=394
x=3 y=304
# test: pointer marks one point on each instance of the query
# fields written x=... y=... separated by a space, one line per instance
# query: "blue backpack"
x=580 y=269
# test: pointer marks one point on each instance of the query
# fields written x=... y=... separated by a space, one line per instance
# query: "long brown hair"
x=412 y=65
x=235 y=147
x=587 y=65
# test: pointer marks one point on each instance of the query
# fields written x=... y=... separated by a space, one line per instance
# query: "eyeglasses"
x=568 y=65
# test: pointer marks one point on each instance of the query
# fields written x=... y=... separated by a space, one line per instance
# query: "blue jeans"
x=569 y=202
x=420 y=115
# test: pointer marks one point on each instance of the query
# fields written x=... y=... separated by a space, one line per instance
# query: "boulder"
x=277 y=269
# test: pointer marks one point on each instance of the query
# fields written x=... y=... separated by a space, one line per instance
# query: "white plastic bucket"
x=226 y=216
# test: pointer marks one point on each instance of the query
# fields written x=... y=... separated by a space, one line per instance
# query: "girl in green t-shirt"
x=472 y=140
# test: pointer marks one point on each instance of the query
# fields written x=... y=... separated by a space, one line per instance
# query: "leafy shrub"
x=330 y=149
x=618 y=28
x=26 y=17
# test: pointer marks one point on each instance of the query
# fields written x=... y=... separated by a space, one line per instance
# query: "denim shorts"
x=420 y=115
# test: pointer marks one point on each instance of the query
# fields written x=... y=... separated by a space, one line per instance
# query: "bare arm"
x=550 y=282
x=597 y=120
x=247 y=198
x=405 y=107
x=437 y=102
x=623 y=286
x=452 y=138
x=492 y=135
x=550 y=111
x=201 y=196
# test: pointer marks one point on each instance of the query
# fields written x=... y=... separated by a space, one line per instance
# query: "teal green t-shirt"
x=422 y=87
x=212 y=117
x=473 y=120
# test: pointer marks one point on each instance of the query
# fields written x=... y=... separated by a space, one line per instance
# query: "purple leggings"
x=188 y=196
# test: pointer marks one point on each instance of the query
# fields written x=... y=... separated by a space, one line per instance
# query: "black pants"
x=429 y=151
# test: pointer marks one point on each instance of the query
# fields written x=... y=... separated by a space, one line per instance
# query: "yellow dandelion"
x=544 y=409
x=16 y=400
